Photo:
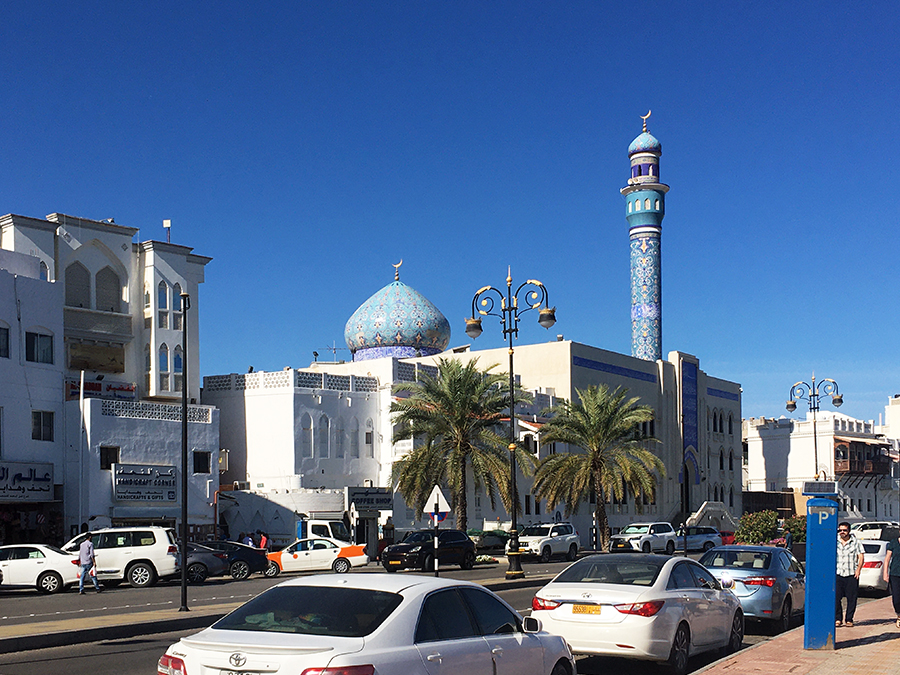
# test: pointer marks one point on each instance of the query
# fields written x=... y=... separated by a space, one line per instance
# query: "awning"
x=881 y=442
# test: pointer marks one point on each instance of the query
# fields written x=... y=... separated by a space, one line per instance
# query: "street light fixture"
x=535 y=295
x=811 y=393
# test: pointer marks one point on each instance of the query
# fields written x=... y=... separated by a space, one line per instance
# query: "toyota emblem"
x=237 y=659
x=586 y=595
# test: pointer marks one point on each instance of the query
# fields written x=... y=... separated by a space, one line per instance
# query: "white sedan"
x=368 y=624
x=642 y=607
x=45 y=568
x=316 y=554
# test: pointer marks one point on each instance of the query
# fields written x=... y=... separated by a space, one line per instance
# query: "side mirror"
x=531 y=624
x=727 y=582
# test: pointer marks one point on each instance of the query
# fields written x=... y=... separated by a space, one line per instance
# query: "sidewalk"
x=871 y=647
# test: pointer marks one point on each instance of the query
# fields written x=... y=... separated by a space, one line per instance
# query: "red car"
x=727 y=537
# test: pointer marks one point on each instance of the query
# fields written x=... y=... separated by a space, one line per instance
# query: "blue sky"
x=307 y=146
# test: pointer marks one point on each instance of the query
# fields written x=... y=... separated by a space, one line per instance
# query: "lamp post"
x=811 y=393
x=535 y=295
x=185 y=306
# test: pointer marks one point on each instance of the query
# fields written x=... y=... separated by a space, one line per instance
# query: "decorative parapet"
x=142 y=410
x=282 y=379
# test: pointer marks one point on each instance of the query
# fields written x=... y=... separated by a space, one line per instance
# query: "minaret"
x=645 y=207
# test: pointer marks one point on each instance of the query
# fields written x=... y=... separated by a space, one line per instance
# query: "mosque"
x=326 y=429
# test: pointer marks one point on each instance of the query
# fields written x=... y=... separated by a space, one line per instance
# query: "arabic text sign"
x=26 y=482
x=144 y=483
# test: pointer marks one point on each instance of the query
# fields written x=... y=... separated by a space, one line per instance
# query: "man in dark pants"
x=850 y=555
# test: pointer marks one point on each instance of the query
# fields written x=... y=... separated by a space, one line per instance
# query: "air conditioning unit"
x=241 y=485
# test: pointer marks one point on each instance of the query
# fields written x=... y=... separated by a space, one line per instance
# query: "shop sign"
x=26 y=482
x=144 y=483
x=369 y=500
x=122 y=391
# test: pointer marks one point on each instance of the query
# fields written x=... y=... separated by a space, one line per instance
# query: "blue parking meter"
x=821 y=568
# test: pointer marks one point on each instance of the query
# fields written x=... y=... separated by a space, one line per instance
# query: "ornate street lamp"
x=535 y=295
x=811 y=393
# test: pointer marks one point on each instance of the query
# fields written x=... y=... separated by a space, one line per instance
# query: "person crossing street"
x=88 y=561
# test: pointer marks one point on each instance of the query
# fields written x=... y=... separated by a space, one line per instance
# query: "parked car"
x=203 y=562
x=872 y=576
x=317 y=553
x=243 y=560
x=769 y=582
x=139 y=555
x=641 y=606
x=645 y=537
x=548 y=540
x=872 y=529
x=372 y=623
x=698 y=538
x=46 y=568
x=416 y=551
x=727 y=536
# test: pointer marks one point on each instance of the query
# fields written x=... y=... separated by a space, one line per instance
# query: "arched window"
x=108 y=291
x=78 y=286
x=177 y=315
x=322 y=432
x=338 y=436
x=730 y=425
x=637 y=205
x=177 y=368
x=731 y=497
x=708 y=418
x=148 y=366
x=647 y=204
x=45 y=271
x=721 y=459
x=164 y=367
x=163 y=299
x=306 y=433
x=354 y=438
x=370 y=438
x=730 y=461
x=657 y=205
x=630 y=207
x=146 y=298
x=716 y=493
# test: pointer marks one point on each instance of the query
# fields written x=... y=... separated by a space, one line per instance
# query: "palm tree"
x=455 y=419
x=605 y=426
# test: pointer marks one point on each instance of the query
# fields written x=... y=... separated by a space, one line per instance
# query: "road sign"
x=436 y=506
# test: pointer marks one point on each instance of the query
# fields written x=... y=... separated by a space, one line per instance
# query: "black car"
x=416 y=551
x=243 y=560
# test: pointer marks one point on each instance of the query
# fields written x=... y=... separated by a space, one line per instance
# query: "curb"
x=197 y=621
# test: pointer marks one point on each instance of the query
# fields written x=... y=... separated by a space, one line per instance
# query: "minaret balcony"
x=93 y=324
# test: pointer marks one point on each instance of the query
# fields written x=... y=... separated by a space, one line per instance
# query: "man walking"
x=88 y=562
x=850 y=555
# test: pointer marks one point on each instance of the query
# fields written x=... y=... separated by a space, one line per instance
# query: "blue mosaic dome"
x=397 y=321
x=645 y=143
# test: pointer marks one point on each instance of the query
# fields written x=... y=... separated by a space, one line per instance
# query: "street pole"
x=812 y=392
x=185 y=306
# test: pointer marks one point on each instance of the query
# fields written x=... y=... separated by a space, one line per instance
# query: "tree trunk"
x=602 y=520
x=462 y=504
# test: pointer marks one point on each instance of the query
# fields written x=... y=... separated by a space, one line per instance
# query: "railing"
x=862 y=466
x=92 y=322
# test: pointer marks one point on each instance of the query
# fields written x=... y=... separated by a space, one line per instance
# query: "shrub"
x=757 y=528
x=797 y=527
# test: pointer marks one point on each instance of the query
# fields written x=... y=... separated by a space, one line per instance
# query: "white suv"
x=549 y=539
x=138 y=555
x=644 y=537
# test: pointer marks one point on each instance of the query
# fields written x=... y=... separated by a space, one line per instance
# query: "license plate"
x=394 y=562
x=237 y=672
x=585 y=609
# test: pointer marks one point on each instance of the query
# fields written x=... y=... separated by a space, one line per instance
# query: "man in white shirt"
x=87 y=561
x=850 y=557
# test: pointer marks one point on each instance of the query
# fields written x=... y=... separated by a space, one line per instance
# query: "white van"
x=139 y=555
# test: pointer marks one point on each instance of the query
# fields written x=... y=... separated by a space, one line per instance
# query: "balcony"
x=878 y=467
x=92 y=324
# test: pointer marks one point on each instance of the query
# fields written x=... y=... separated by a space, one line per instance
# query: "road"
x=139 y=655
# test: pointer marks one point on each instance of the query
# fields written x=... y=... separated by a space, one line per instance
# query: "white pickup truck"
x=646 y=537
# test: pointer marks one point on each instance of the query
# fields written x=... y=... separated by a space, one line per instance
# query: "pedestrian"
x=247 y=539
x=88 y=562
x=263 y=541
x=850 y=555
x=788 y=540
x=892 y=573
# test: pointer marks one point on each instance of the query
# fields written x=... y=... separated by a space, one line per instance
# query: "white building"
x=87 y=302
x=784 y=453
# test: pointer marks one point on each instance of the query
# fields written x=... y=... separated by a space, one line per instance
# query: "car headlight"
x=415 y=549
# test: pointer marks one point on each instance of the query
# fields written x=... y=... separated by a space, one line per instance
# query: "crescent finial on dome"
x=397 y=270
x=644 y=117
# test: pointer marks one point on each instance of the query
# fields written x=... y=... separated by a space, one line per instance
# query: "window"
x=445 y=617
x=354 y=438
x=647 y=204
x=38 y=348
x=178 y=316
x=202 y=461
x=78 y=286
x=109 y=455
x=45 y=271
x=177 y=368
x=322 y=437
x=163 y=295
x=108 y=291
x=370 y=439
x=721 y=459
x=306 y=436
x=492 y=616
x=164 y=367
x=4 y=342
x=146 y=298
x=730 y=425
x=731 y=497
x=537 y=506
x=527 y=505
x=41 y=425
x=730 y=461
x=339 y=438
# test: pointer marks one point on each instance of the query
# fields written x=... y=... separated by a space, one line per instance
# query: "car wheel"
x=670 y=547
x=140 y=575
x=389 y=569
x=468 y=561
x=428 y=564
x=197 y=573
x=783 y=622
x=708 y=545
x=272 y=570
x=736 y=637
x=645 y=547
x=681 y=650
x=239 y=570
x=561 y=668
x=49 y=582
x=341 y=566
x=545 y=554
x=572 y=553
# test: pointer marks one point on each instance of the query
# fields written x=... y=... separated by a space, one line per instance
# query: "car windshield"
x=636 y=529
x=612 y=569
x=313 y=610
x=536 y=531
x=339 y=530
x=736 y=559
x=418 y=537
